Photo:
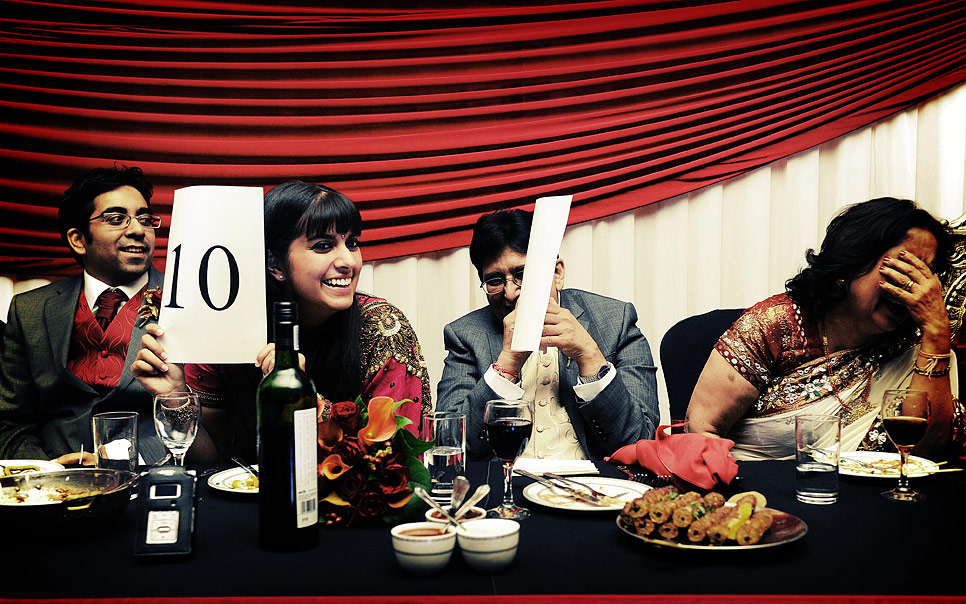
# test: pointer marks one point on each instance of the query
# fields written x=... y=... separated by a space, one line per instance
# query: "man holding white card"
x=594 y=388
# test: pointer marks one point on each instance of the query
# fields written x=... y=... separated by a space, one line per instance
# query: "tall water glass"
x=509 y=424
x=176 y=419
x=817 y=445
x=116 y=440
x=446 y=460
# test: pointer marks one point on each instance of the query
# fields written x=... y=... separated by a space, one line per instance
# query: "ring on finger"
x=907 y=285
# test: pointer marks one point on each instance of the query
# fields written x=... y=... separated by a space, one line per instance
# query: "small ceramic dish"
x=489 y=544
x=423 y=548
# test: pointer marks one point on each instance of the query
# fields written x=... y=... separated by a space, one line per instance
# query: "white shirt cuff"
x=587 y=392
x=502 y=386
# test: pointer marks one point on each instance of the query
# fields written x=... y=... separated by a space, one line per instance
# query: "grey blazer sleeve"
x=19 y=438
x=627 y=409
x=462 y=389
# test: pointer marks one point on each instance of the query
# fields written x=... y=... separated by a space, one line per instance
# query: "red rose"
x=373 y=505
x=350 y=450
x=393 y=479
x=347 y=415
x=350 y=485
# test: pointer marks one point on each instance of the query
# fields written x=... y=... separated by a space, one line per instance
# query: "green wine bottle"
x=287 y=437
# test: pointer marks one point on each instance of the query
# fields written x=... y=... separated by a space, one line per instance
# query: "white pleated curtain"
x=724 y=246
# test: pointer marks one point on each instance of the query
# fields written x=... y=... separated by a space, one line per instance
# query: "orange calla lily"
x=382 y=421
x=332 y=467
x=402 y=501
x=336 y=500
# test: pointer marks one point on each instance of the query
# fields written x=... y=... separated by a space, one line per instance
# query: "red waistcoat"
x=96 y=357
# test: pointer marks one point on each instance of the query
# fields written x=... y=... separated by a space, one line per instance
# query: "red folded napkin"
x=698 y=459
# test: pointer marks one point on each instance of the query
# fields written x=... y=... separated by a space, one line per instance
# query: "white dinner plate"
x=883 y=465
x=42 y=465
x=227 y=480
x=622 y=490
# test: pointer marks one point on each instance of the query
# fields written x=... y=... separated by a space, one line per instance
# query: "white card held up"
x=549 y=222
x=213 y=301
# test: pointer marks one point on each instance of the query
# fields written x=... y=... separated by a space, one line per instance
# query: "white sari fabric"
x=781 y=353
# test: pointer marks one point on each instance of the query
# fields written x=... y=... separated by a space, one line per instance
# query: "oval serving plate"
x=882 y=464
x=227 y=480
x=623 y=490
x=12 y=467
x=786 y=528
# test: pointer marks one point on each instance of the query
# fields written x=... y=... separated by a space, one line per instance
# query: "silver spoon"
x=461 y=486
x=481 y=491
x=422 y=494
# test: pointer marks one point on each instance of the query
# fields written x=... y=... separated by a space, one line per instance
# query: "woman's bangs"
x=330 y=211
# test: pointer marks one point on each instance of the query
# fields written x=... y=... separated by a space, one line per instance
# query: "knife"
x=576 y=494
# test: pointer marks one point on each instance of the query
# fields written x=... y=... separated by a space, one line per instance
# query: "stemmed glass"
x=176 y=417
x=509 y=425
x=905 y=415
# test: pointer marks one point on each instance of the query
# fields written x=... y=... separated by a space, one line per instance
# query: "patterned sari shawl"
x=779 y=350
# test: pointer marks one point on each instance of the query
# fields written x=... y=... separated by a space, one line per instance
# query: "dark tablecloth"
x=863 y=544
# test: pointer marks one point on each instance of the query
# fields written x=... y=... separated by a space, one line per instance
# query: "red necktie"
x=107 y=304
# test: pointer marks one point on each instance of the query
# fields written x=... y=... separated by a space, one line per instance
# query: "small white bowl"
x=474 y=513
x=489 y=544
x=423 y=548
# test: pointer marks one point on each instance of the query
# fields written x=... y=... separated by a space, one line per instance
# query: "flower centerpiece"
x=369 y=463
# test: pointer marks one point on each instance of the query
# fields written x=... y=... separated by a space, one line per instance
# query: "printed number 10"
x=203 y=278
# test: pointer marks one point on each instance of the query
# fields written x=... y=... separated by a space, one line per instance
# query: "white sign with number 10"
x=213 y=301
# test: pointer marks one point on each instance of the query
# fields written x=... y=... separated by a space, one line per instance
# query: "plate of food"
x=234 y=480
x=880 y=464
x=12 y=467
x=667 y=518
x=617 y=490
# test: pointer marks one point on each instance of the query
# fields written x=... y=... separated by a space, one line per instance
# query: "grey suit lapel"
x=59 y=311
x=155 y=279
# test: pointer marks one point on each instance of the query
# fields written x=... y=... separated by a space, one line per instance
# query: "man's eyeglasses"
x=495 y=285
x=117 y=220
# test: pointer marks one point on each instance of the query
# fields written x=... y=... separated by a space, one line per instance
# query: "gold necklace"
x=847 y=412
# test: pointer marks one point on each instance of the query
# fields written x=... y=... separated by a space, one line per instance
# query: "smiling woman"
x=351 y=344
x=867 y=314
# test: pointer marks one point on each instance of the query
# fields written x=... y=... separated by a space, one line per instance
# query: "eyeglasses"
x=495 y=285
x=117 y=220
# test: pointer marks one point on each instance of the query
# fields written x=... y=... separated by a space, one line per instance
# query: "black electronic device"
x=166 y=511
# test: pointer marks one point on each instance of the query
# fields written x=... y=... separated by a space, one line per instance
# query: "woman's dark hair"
x=78 y=203
x=332 y=353
x=854 y=242
x=495 y=232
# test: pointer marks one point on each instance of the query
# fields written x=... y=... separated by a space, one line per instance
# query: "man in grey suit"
x=600 y=394
x=68 y=346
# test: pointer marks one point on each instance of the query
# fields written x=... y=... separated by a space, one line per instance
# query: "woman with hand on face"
x=866 y=315
x=351 y=344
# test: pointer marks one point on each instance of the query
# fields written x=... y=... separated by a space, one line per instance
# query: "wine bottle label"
x=306 y=467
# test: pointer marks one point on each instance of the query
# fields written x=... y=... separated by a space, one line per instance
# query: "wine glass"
x=509 y=425
x=905 y=415
x=176 y=417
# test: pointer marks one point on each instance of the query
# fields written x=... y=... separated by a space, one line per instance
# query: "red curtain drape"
x=430 y=115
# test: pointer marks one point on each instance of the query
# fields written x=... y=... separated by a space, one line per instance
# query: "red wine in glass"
x=905 y=416
x=509 y=424
x=509 y=436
